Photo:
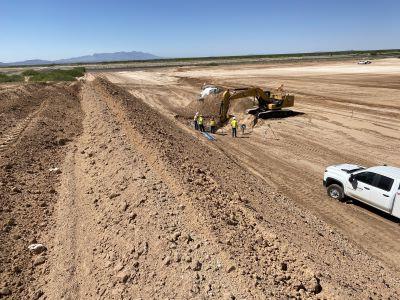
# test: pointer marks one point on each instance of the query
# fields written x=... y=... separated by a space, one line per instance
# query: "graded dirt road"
x=143 y=207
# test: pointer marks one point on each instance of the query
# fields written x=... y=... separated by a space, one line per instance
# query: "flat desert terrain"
x=349 y=114
x=130 y=202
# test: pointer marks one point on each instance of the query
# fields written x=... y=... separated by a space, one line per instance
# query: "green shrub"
x=10 y=78
x=58 y=75
x=29 y=73
x=52 y=76
x=77 y=72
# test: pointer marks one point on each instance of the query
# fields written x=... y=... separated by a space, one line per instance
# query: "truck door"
x=360 y=188
x=382 y=192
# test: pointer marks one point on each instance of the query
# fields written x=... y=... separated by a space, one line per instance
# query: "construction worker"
x=200 y=122
x=213 y=125
x=196 y=125
x=234 y=124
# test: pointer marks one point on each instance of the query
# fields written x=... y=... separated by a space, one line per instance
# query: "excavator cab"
x=263 y=100
x=273 y=101
x=282 y=101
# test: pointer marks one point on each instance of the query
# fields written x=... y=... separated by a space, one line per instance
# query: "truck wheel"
x=335 y=191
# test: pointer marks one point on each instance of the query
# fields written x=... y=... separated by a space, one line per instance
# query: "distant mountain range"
x=94 y=58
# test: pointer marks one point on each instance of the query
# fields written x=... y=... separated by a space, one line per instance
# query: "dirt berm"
x=37 y=122
x=182 y=219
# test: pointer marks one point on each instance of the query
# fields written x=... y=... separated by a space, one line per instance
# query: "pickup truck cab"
x=376 y=186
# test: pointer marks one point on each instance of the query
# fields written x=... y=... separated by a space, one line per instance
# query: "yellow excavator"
x=268 y=101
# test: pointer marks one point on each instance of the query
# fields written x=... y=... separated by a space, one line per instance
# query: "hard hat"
x=234 y=118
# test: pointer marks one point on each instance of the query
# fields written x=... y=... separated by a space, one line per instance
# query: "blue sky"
x=53 y=29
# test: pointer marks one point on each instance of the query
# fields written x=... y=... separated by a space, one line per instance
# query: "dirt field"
x=350 y=114
x=144 y=207
x=37 y=122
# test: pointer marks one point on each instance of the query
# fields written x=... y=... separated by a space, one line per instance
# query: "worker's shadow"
x=220 y=133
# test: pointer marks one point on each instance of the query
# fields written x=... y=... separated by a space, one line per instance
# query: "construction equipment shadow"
x=280 y=114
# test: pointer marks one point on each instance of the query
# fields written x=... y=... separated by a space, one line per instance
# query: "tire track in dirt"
x=14 y=134
x=64 y=259
x=353 y=221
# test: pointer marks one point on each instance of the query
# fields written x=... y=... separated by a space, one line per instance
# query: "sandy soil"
x=351 y=114
x=39 y=121
x=143 y=207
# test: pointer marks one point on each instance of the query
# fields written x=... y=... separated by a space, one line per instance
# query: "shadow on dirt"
x=280 y=114
x=373 y=210
x=276 y=115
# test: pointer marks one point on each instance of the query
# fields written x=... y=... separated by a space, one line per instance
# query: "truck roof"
x=392 y=172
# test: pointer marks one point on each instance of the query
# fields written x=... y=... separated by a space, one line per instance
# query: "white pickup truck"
x=375 y=186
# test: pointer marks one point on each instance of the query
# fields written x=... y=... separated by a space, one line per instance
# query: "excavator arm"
x=228 y=96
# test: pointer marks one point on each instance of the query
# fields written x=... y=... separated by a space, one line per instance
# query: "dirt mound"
x=50 y=115
x=259 y=254
x=238 y=107
x=18 y=101
x=215 y=214
x=208 y=107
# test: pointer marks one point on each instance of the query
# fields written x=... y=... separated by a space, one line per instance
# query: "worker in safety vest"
x=213 y=125
x=234 y=124
x=196 y=125
x=200 y=121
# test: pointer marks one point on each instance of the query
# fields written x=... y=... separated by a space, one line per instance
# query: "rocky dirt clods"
x=270 y=262
x=146 y=208
x=27 y=187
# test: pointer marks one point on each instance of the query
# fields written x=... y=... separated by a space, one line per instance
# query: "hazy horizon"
x=205 y=56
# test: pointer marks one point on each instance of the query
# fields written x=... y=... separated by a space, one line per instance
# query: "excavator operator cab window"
x=278 y=102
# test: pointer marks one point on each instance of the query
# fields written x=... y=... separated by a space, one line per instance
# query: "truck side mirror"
x=351 y=178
